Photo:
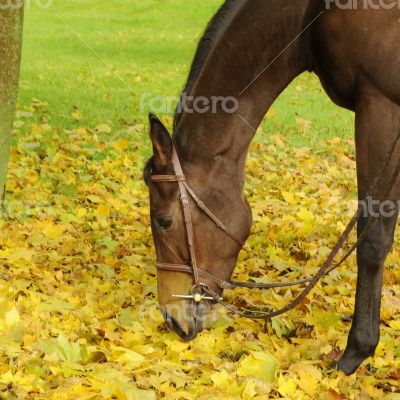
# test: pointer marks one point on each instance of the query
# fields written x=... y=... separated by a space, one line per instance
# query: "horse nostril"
x=172 y=322
x=174 y=325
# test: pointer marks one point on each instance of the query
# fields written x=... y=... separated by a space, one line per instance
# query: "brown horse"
x=251 y=51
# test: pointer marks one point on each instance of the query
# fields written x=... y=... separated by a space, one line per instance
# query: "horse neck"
x=255 y=58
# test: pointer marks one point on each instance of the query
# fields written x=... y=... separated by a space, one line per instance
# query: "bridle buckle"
x=196 y=294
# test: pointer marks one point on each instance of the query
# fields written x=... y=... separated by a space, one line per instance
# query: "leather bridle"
x=201 y=291
x=193 y=269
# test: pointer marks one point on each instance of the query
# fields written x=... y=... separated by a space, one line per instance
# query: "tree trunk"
x=11 y=23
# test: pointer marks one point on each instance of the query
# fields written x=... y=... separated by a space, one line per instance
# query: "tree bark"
x=11 y=24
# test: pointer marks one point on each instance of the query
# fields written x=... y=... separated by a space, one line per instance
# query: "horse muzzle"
x=186 y=319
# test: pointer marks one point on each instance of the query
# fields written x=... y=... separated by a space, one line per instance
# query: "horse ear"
x=162 y=142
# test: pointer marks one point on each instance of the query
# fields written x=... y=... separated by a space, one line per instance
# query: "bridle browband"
x=201 y=290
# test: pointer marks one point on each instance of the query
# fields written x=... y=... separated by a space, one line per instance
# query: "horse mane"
x=208 y=41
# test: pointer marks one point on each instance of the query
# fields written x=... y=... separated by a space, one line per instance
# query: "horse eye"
x=164 y=222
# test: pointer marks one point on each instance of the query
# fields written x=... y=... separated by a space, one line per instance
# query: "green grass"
x=100 y=57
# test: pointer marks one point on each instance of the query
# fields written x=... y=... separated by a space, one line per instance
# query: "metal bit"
x=196 y=297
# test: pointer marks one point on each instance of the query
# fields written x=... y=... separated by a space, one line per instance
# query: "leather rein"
x=201 y=291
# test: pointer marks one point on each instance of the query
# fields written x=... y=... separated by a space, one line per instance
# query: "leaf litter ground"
x=78 y=312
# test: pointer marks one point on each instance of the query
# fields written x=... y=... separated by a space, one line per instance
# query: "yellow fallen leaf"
x=76 y=115
x=305 y=215
x=103 y=211
x=250 y=390
x=103 y=128
x=53 y=231
x=258 y=364
x=21 y=254
x=37 y=130
x=303 y=123
x=128 y=357
x=221 y=379
x=289 y=197
x=127 y=391
x=5 y=253
x=308 y=383
x=327 y=349
x=81 y=212
x=176 y=345
x=392 y=396
x=333 y=395
x=12 y=317
x=309 y=375
x=122 y=144
x=287 y=388
x=395 y=324
x=81 y=131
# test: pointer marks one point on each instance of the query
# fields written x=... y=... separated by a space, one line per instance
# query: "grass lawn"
x=92 y=60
